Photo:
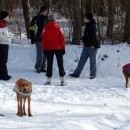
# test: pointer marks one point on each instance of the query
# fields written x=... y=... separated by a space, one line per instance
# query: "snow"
x=99 y=104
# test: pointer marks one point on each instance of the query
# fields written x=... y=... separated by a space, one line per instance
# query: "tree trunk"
x=46 y=2
x=111 y=10
x=2 y=5
x=83 y=11
x=89 y=6
x=26 y=12
x=127 y=24
x=76 y=7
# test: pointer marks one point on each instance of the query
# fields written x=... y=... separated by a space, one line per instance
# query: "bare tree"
x=111 y=10
x=46 y=2
x=76 y=6
x=108 y=12
x=2 y=5
x=89 y=6
x=127 y=24
x=26 y=12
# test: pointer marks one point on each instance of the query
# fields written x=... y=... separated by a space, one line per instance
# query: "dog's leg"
x=21 y=109
x=24 y=111
x=18 y=104
x=126 y=78
x=126 y=82
x=29 y=106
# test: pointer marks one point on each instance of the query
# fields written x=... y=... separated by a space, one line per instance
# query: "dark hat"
x=89 y=16
x=51 y=18
x=44 y=8
x=3 y=14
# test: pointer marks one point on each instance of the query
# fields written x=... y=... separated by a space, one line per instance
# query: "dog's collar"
x=23 y=94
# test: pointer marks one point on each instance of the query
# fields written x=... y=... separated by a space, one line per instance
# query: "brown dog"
x=23 y=89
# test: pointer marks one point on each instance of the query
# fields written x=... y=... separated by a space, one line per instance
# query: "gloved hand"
x=63 y=52
x=33 y=40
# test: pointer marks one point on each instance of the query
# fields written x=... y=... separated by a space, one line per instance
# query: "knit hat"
x=43 y=8
x=3 y=14
x=89 y=16
x=51 y=18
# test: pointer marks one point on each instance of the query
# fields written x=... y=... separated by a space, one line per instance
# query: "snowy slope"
x=84 y=104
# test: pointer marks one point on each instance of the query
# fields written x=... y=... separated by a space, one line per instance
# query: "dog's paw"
x=29 y=114
x=24 y=114
x=17 y=114
x=21 y=115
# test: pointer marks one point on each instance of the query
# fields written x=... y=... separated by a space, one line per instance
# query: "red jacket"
x=126 y=67
x=53 y=37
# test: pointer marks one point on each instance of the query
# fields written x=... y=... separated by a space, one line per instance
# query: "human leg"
x=3 y=62
x=92 y=54
x=50 y=55
x=39 y=56
x=83 y=58
x=59 y=57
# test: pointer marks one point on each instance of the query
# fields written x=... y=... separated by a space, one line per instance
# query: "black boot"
x=74 y=75
x=5 y=77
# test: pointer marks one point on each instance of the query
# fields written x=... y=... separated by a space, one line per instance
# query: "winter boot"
x=63 y=83
x=48 y=82
x=5 y=77
x=74 y=75
x=92 y=77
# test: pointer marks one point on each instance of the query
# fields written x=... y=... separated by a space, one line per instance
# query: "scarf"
x=15 y=89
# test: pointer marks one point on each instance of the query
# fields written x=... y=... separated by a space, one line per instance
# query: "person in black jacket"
x=90 y=47
x=36 y=27
x=5 y=41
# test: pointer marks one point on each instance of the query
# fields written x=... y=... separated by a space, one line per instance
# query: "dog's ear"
x=30 y=84
x=18 y=82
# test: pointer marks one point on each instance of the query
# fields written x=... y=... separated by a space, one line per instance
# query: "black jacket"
x=36 y=27
x=90 y=38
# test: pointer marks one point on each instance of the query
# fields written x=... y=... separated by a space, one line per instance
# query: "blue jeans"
x=40 y=57
x=87 y=52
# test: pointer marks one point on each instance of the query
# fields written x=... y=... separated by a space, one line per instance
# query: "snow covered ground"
x=84 y=104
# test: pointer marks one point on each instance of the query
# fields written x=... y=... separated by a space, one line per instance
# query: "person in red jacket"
x=53 y=43
x=126 y=72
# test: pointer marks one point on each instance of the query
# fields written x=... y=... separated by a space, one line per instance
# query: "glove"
x=33 y=40
x=97 y=44
x=63 y=52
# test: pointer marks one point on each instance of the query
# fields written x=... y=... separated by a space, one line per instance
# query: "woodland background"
x=112 y=17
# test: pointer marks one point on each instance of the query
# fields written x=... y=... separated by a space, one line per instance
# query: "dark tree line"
x=112 y=16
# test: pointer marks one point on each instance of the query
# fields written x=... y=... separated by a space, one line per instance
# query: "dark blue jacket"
x=90 y=38
x=36 y=27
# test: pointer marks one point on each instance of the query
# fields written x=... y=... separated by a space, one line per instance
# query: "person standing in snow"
x=53 y=42
x=36 y=27
x=5 y=41
x=90 y=47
